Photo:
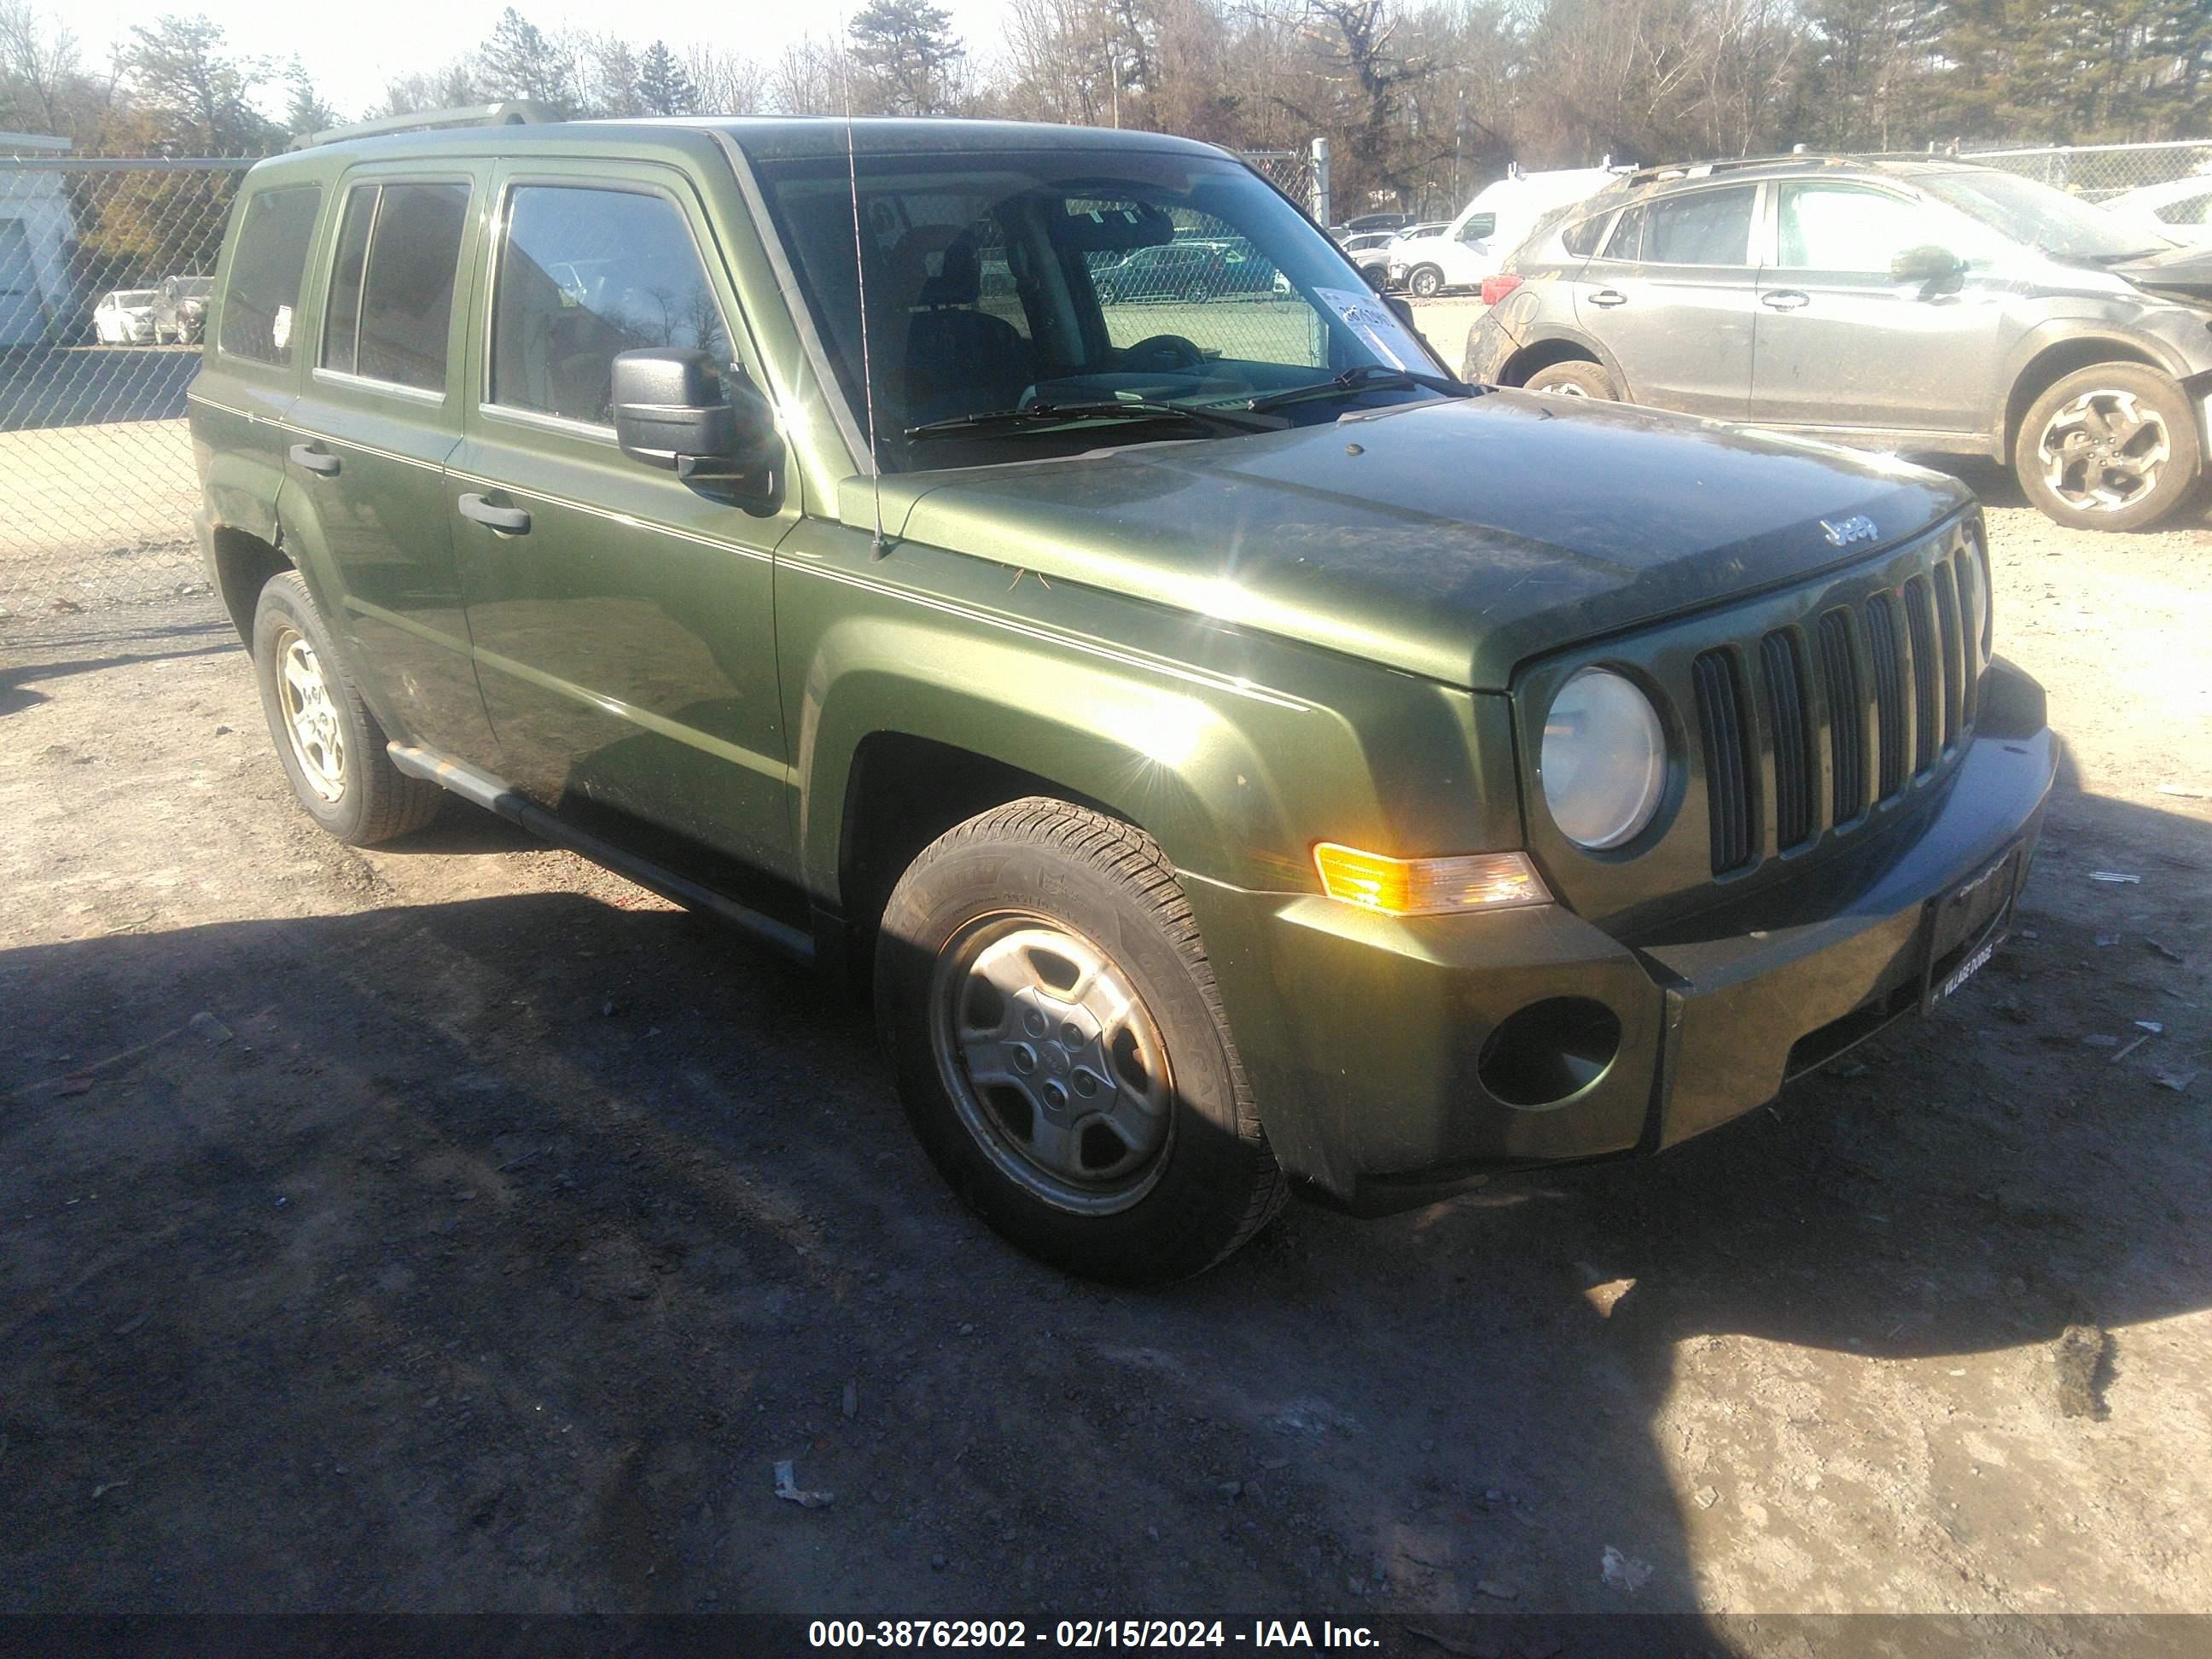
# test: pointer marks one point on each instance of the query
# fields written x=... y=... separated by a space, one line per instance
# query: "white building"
x=38 y=301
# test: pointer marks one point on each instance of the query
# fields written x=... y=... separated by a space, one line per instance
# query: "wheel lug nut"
x=1070 y=1037
x=1034 y=1023
x=1025 y=1059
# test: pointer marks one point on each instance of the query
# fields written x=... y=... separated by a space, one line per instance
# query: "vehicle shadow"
x=488 y=1254
x=16 y=679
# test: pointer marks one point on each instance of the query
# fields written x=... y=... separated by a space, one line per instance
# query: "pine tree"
x=305 y=112
x=908 y=51
x=663 y=86
x=518 y=59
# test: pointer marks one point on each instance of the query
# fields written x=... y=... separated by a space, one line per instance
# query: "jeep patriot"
x=1234 y=754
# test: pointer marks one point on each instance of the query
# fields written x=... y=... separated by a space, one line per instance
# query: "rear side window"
x=392 y=286
x=586 y=274
x=1581 y=240
x=265 y=268
x=1698 y=227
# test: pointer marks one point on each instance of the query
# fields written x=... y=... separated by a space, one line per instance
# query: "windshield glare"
x=2034 y=213
x=1002 y=281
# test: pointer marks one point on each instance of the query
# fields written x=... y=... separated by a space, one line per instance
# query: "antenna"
x=878 y=548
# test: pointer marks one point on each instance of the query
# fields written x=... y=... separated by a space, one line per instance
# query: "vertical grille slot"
x=1883 y=648
x=1789 y=716
x=1839 y=679
x=1973 y=627
x=1954 y=650
x=1927 y=674
x=1722 y=726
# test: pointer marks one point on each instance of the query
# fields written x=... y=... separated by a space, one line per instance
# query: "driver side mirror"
x=675 y=409
x=1926 y=263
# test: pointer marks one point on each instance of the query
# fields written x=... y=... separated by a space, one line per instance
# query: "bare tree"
x=726 y=83
x=38 y=68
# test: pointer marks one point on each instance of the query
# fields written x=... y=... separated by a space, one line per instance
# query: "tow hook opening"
x=1550 y=1051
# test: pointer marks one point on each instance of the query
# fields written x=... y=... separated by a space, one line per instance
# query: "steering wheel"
x=1159 y=351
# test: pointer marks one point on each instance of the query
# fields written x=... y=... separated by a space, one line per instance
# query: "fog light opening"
x=1549 y=1051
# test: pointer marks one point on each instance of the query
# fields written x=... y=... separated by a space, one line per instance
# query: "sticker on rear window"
x=1372 y=321
x=279 y=328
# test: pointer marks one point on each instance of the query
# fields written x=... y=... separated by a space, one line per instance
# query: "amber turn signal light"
x=1428 y=887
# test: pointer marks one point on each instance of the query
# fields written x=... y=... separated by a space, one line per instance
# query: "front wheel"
x=2112 y=446
x=330 y=746
x=1426 y=281
x=1061 y=1050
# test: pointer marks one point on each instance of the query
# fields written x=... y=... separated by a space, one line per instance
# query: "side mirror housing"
x=1402 y=309
x=675 y=409
x=1926 y=263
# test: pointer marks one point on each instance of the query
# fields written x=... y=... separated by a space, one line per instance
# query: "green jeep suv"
x=1236 y=754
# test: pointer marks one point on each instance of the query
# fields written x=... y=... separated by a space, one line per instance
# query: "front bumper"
x=1370 y=1040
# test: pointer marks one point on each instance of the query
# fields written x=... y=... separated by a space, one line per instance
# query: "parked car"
x=124 y=316
x=2180 y=208
x=1369 y=251
x=1208 y=803
x=1924 y=306
x=1191 y=271
x=180 y=309
x=1369 y=221
x=1469 y=248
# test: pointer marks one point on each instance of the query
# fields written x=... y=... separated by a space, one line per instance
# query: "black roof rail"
x=515 y=112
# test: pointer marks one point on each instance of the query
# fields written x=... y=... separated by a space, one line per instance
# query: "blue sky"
x=352 y=51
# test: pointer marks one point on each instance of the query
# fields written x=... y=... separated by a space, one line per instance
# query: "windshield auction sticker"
x=1370 y=319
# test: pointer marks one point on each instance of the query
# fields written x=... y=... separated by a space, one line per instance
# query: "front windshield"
x=2042 y=217
x=1071 y=279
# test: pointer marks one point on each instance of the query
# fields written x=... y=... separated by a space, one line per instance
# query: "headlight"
x=1603 y=759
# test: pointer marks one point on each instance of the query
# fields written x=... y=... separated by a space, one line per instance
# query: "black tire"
x=1038 y=869
x=1197 y=294
x=2102 y=482
x=1576 y=378
x=1426 y=281
x=372 y=800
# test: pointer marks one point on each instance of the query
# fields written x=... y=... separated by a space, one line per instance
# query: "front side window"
x=266 y=267
x=2188 y=211
x=391 y=286
x=1838 y=227
x=1698 y=227
x=585 y=275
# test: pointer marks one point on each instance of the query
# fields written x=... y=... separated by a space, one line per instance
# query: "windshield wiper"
x=1037 y=416
x=1363 y=377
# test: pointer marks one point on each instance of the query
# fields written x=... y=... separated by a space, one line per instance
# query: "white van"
x=1488 y=229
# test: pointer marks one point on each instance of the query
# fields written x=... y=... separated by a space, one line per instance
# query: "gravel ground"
x=455 y=1226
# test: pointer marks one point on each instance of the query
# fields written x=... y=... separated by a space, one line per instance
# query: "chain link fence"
x=2103 y=174
x=104 y=269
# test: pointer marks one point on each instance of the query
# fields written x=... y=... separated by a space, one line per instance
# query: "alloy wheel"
x=2103 y=451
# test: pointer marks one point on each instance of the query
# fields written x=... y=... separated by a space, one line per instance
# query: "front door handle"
x=1609 y=297
x=1784 y=299
x=508 y=520
x=311 y=460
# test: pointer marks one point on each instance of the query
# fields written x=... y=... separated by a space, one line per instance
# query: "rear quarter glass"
x=261 y=301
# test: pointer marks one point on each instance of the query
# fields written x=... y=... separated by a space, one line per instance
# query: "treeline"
x=1421 y=98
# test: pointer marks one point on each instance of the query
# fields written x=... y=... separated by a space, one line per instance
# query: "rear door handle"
x=1609 y=297
x=510 y=520
x=309 y=459
x=1784 y=299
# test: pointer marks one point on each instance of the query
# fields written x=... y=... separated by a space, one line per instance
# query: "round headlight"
x=1604 y=759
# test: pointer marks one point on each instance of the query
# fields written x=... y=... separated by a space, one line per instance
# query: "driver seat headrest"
x=939 y=265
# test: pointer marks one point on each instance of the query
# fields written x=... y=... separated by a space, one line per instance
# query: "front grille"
x=1789 y=717
x=1899 y=664
x=1721 y=725
x=1839 y=685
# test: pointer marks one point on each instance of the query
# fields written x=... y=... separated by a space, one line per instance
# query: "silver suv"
x=1925 y=306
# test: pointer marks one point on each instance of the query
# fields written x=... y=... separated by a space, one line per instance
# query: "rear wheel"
x=2112 y=446
x=1197 y=294
x=1061 y=1050
x=1426 y=281
x=332 y=747
x=1576 y=377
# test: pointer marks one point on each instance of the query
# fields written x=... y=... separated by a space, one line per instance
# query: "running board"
x=494 y=796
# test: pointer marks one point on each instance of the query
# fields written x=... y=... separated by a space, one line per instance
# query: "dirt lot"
x=454 y=1226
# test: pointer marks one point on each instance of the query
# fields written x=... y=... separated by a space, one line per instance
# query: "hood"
x=1450 y=539
x=2184 y=270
